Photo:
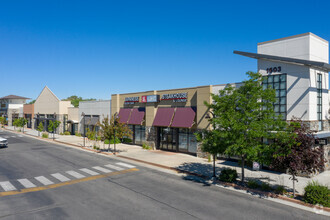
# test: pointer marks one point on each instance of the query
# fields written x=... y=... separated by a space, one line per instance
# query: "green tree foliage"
x=40 y=127
x=53 y=125
x=108 y=128
x=32 y=102
x=244 y=116
x=75 y=100
x=3 y=121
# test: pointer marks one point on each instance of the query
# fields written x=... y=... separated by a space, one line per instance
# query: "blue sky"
x=97 y=48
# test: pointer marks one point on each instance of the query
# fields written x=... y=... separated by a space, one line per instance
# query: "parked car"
x=3 y=142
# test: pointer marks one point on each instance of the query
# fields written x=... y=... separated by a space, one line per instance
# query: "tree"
x=17 y=123
x=75 y=100
x=32 y=102
x=245 y=116
x=212 y=142
x=303 y=156
x=3 y=121
x=23 y=122
x=40 y=128
x=52 y=126
x=108 y=127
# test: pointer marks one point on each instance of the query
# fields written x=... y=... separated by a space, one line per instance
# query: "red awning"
x=183 y=118
x=137 y=116
x=124 y=114
x=163 y=117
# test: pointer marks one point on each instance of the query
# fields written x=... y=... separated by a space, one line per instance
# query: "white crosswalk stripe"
x=7 y=186
x=43 y=180
x=125 y=165
x=75 y=174
x=13 y=136
x=102 y=169
x=60 y=177
x=26 y=183
x=114 y=167
x=90 y=172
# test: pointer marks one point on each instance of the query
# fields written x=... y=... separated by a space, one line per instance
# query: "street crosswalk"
x=61 y=176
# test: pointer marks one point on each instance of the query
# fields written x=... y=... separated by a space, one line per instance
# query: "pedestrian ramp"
x=61 y=177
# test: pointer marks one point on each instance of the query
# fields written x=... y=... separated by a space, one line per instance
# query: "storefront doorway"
x=168 y=139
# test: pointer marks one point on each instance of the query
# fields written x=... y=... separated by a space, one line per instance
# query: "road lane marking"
x=26 y=183
x=114 y=167
x=75 y=174
x=44 y=180
x=90 y=172
x=13 y=136
x=7 y=186
x=102 y=169
x=125 y=165
x=71 y=182
x=60 y=177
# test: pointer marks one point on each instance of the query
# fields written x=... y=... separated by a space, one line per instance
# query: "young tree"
x=23 y=122
x=17 y=123
x=244 y=116
x=52 y=126
x=303 y=156
x=3 y=121
x=40 y=128
x=212 y=142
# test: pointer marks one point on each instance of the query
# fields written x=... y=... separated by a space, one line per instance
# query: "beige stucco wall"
x=63 y=107
x=73 y=113
x=196 y=97
x=46 y=103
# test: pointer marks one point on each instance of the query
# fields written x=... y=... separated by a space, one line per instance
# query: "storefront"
x=165 y=120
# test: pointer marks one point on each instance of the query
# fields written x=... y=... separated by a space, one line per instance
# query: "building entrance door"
x=168 y=139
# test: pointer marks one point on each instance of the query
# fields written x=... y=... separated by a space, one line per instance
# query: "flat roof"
x=309 y=63
x=294 y=36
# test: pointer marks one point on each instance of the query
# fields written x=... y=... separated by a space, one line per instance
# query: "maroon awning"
x=163 y=117
x=183 y=118
x=124 y=114
x=137 y=116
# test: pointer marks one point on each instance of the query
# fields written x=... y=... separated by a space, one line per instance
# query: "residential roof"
x=13 y=97
x=309 y=63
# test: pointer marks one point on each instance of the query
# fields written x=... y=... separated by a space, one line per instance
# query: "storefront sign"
x=150 y=98
x=176 y=97
x=131 y=100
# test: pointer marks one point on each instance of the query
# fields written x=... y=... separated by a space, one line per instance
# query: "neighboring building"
x=73 y=120
x=296 y=67
x=11 y=106
x=48 y=107
x=28 y=113
x=94 y=112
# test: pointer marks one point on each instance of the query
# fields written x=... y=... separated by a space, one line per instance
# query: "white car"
x=3 y=142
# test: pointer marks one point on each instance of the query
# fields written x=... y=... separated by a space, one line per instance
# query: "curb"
x=267 y=194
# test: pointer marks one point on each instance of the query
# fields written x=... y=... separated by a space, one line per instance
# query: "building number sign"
x=274 y=69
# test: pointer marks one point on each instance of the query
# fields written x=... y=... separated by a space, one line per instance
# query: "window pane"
x=283 y=92
x=282 y=108
x=192 y=143
x=270 y=79
x=283 y=85
x=277 y=92
x=264 y=86
x=264 y=79
x=283 y=101
x=276 y=85
x=276 y=78
x=277 y=101
x=283 y=77
x=276 y=108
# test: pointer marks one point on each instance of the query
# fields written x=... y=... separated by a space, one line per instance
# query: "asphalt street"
x=43 y=180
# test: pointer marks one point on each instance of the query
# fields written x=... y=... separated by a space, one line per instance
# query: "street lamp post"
x=114 y=132
x=54 y=126
x=83 y=115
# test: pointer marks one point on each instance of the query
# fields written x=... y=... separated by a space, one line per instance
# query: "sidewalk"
x=188 y=163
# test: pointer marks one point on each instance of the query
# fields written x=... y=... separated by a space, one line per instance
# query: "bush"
x=266 y=187
x=67 y=133
x=228 y=175
x=127 y=140
x=61 y=133
x=316 y=193
x=280 y=190
x=106 y=141
x=253 y=184
x=78 y=134
x=44 y=135
x=146 y=146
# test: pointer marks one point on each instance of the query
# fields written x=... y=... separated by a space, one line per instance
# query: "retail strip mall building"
x=297 y=68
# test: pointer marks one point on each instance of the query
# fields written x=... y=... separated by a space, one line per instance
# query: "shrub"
x=253 y=184
x=44 y=135
x=117 y=141
x=106 y=141
x=127 y=140
x=316 y=193
x=146 y=146
x=61 y=133
x=67 y=133
x=78 y=134
x=280 y=190
x=266 y=187
x=228 y=175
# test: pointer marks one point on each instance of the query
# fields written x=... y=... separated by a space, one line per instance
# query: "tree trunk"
x=294 y=185
x=214 y=156
x=242 y=164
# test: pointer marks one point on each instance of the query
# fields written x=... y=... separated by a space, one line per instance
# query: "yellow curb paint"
x=40 y=188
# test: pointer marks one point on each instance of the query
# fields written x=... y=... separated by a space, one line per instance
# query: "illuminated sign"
x=150 y=98
x=176 y=97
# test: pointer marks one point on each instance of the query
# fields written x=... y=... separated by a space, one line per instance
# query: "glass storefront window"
x=192 y=143
x=183 y=139
x=139 y=134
